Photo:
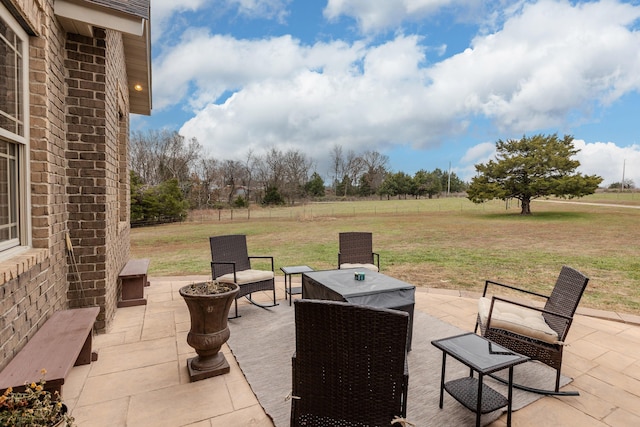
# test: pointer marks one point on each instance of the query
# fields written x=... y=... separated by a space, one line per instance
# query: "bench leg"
x=86 y=356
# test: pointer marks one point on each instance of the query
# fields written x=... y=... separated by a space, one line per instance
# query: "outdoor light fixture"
x=138 y=87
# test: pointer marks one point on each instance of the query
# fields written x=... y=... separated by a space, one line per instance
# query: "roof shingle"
x=138 y=8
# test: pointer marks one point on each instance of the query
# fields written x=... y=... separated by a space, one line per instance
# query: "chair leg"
x=262 y=305
x=235 y=301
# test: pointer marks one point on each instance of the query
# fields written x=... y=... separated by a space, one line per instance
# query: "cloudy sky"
x=429 y=83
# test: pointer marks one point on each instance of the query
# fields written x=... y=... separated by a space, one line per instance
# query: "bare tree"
x=161 y=155
x=375 y=169
x=250 y=169
x=337 y=164
x=204 y=191
x=297 y=167
x=233 y=175
x=354 y=166
x=143 y=155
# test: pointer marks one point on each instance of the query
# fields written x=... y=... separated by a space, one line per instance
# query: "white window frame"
x=23 y=241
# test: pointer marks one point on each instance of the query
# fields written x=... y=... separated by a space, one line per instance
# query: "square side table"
x=288 y=272
x=484 y=357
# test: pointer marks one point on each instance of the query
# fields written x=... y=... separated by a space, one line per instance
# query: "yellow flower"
x=33 y=385
x=43 y=371
x=38 y=387
x=8 y=391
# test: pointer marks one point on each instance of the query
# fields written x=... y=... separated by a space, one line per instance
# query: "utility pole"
x=449 y=180
x=624 y=161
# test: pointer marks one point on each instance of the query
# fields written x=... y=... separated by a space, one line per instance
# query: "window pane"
x=8 y=192
x=10 y=80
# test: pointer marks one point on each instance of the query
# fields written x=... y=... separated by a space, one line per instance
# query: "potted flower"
x=208 y=303
x=33 y=407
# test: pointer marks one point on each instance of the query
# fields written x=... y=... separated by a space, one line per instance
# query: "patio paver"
x=140 y=378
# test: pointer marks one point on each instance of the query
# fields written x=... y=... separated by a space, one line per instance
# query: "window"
x=14 y=132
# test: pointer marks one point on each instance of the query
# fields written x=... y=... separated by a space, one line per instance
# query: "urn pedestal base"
x=197 y=375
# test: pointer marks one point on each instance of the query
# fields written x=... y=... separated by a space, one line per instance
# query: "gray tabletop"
x=377 y=289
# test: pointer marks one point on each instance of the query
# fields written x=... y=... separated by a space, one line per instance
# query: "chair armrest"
x=213 y=268
x=491 y=282
x=541 y=310
x=263 y=257
x=339 y=262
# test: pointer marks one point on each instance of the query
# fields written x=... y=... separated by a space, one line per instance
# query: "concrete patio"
x=140 y=378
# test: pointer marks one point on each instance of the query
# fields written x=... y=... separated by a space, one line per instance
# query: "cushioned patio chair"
x=349 y=366
x=231 y=263
x=535 y=331
x=356 y=251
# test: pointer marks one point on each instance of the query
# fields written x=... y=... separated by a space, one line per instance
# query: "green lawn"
x=444 y=243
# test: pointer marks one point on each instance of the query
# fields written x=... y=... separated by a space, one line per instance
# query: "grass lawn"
x=442 y=243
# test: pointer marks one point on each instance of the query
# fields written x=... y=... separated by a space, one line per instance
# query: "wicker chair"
x=231 y=263
x=537 y=332
x=349 y=366
x=356 y=251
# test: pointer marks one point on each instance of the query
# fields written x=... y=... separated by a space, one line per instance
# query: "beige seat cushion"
x=514 y=318
x=247 y=276
x=367 y=266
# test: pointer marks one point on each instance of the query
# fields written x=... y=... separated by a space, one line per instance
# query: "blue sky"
x=429 y=83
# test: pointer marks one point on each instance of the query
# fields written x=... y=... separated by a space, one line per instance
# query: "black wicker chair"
x=349 y=366
x=537 y=332
x=231 y=263
x=356 y=251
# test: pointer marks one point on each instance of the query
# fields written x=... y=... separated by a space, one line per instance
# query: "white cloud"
x=609 y=161
x=550 y=63
x=322 y=95
x=480 y=153
x=377 y=15
x=165 y=12
x=270 y=9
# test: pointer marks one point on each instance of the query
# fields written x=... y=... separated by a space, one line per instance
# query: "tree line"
x=171 y=174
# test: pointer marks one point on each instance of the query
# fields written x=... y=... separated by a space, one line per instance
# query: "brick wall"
x=33 y=284
x=96 y=108
x=78 y=140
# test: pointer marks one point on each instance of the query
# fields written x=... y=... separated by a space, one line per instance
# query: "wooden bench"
x=62 y=342
x=133 y=278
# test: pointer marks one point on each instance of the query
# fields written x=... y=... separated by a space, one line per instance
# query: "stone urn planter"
x=208 y=304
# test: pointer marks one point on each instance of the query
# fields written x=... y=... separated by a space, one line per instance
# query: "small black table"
x=376 y=290
x=484 y=357
x=288 y=271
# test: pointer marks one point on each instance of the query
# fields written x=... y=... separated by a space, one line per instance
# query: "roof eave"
x=80 y=17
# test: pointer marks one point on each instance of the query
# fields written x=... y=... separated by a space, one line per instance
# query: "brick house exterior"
x=88 y=70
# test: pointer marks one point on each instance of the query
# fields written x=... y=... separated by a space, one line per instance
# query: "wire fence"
x=315 y=210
